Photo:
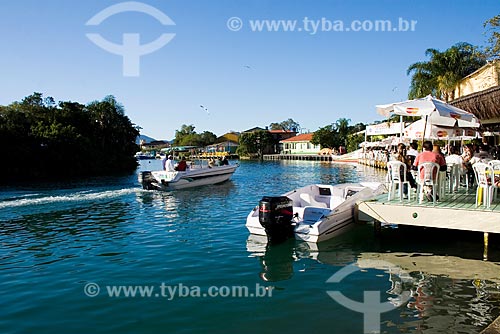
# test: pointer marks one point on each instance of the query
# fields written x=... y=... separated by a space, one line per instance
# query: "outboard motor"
x=275 y=215
x=147 y=180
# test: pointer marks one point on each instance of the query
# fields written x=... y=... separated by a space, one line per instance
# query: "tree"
x=97 y=139
x=184 y=135
x=187 y=136
x=440 y=75
x=207 y=138
x=288 y=125
x=326 y=137
x=254 y=143
x=493 y=26
x=342 y=126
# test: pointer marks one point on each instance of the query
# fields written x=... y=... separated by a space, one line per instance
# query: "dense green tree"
x=207 y=138
x=288 y=125
x=254 y=143
x=493 y=27
x=326 y=137
x=187 y=136
x=67 y=139
x=443 y=71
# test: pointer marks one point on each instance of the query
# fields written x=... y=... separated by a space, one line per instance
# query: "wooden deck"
x=455 y=211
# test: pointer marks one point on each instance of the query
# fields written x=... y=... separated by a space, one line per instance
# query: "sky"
x=334 y=64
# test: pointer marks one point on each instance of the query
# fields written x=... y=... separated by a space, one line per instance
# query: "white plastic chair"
x=428 y=175
x=485 y=179
x=396 y=176
x=453 y=176
x=493 y=163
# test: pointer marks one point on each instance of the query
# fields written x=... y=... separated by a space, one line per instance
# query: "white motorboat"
x=313 y=213
x=194 y=176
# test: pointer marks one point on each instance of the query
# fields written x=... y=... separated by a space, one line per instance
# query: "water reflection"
x=441 y=293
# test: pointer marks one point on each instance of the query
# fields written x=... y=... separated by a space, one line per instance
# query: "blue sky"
x=245 y=78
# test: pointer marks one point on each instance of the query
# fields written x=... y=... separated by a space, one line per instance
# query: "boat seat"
x=308 y=200
x=336 y=198
x=313 y=214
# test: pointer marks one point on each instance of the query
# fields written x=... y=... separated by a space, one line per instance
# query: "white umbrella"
x=416 y=130
x=433 y=110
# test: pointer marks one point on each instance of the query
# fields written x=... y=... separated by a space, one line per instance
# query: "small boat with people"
x=193 y=175
x=312 y=213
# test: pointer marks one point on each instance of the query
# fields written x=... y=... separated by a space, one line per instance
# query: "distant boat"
x=193 y=177
x=348 y=157
x=312 y=213
x=144 y=156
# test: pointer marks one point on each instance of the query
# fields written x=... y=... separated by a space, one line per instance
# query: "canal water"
x=104 y=256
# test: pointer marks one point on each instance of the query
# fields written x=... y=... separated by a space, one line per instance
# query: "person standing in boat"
x=169 y=164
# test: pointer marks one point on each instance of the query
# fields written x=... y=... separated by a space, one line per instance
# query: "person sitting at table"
x=483 y=155
x=401 y=155
x=428 y=155
x=456 y=159
x=467 y=156
x=412 y=152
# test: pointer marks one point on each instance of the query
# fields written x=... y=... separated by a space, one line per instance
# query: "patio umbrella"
x=435 y=132
x=433 y=111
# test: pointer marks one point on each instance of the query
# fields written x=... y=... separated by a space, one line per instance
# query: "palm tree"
x=440 y=75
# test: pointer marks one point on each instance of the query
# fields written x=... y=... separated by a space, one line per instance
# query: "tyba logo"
x=371 y=307
x=131 y=50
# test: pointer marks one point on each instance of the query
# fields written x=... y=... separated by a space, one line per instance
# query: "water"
x=58 y=239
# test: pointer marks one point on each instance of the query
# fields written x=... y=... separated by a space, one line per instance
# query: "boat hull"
x=166 y=181
x=331 y=220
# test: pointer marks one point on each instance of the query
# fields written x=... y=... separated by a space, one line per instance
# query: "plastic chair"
x=453 y=176
x=493 y=163
x=496 y=176
x=396 y=176
x=428 y=175
x=485 y=179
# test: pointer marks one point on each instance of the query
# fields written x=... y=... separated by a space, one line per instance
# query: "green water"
x=58 y=240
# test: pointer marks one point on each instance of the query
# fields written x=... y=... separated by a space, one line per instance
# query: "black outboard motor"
x=275 y=215
x=147 y=180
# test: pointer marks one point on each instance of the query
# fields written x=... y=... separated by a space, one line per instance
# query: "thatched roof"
x=484 y=104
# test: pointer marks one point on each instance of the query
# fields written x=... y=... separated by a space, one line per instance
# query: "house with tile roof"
x=300 y=144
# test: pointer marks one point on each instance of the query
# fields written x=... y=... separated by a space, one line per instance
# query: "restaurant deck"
x=455 y=211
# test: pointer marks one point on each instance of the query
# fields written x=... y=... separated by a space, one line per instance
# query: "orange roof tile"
x=301 y=137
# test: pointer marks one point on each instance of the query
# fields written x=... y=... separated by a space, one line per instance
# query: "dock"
x=456 y=211
x=310 y=157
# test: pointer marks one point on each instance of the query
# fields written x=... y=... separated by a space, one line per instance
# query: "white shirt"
x=169 y=165
x=412 y=151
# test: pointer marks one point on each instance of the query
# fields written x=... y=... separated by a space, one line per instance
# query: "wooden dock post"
x=377 y=227
x=485 y=251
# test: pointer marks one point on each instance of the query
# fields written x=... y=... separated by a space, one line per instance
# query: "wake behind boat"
x=194 y=176
x=312 y=213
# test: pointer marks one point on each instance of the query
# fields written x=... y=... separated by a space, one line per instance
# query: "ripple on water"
x=56 y=240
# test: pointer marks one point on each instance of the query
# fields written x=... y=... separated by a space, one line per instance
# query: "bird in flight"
x=204 y=108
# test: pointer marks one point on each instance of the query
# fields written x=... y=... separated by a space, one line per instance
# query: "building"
x=225 y=144
x=300 y=144
x=479 y=93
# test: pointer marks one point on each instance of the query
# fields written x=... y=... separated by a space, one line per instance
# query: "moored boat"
x=312 y=213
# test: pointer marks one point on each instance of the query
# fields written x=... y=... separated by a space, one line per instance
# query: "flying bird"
x=206 y=109
x=246 y=66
